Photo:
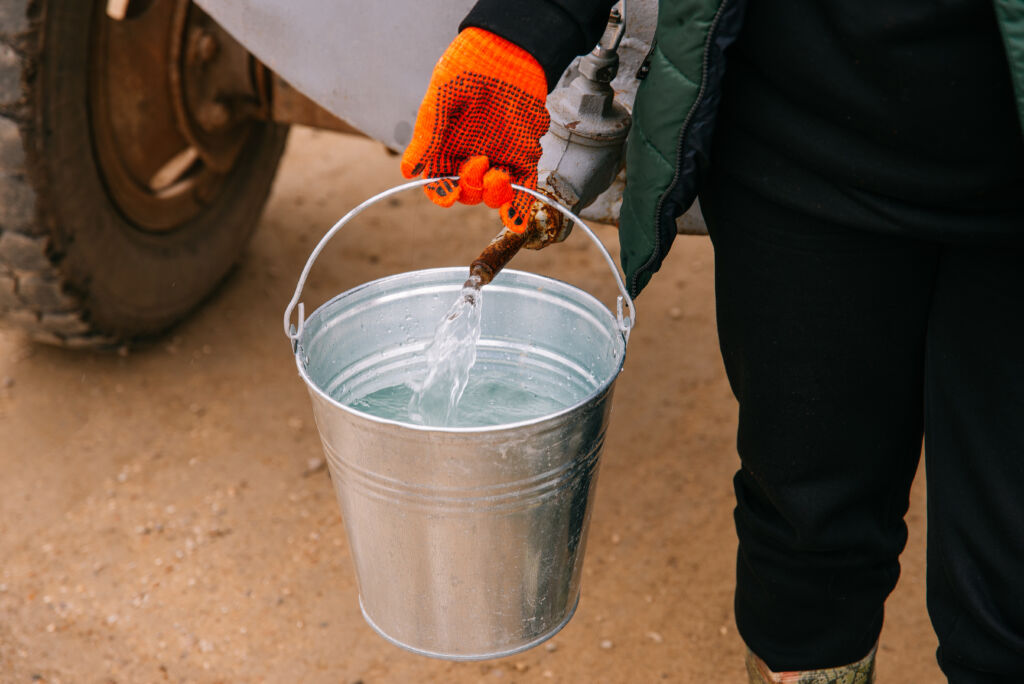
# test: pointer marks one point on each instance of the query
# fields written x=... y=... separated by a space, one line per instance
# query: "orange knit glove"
x=482 y=118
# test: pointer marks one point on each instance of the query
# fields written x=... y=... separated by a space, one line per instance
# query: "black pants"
x=844 y=346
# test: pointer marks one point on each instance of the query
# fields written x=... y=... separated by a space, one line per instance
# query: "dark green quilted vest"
x=673 y=119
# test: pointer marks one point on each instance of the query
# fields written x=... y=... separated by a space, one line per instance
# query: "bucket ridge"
x=507 y=496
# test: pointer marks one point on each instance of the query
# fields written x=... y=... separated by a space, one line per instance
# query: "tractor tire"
x=77 y=267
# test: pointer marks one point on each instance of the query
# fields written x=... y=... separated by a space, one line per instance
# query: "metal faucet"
x=583 y=150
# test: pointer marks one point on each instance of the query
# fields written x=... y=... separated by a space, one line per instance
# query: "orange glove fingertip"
x=471 y=179
x=512 y=219
x=497 y=188
x=444 y=193
x=410 y=168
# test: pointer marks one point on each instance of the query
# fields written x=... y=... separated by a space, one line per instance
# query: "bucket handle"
x=294 y=331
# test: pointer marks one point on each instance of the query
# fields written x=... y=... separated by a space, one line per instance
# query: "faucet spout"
x=496 y=256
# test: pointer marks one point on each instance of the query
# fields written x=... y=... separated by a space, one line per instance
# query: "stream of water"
x=450 y=357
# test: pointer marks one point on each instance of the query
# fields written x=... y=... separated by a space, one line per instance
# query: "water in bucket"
x=490 y=398
x=455 y=391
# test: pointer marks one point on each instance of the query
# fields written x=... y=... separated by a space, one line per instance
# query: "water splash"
x=450 y=357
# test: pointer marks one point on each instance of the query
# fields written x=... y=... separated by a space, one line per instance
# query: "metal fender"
x=368 y=63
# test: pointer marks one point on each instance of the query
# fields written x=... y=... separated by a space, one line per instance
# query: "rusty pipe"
x=546 y=226
x=496 y=256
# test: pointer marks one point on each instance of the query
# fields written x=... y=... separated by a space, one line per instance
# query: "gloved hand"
x=482 y=118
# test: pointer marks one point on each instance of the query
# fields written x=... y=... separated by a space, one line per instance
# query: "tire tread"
x=32 y=296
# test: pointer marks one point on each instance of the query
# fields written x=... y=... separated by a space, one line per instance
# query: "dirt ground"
x=163 y=518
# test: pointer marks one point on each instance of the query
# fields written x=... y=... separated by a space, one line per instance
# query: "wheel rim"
x=172 y=99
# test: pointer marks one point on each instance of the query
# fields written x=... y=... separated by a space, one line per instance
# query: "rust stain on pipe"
x=545 y=227
x=496 y=255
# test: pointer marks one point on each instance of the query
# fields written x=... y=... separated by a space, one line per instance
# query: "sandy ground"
x=159 y=520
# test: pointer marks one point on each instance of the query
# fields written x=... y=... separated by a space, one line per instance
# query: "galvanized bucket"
x=467 y=542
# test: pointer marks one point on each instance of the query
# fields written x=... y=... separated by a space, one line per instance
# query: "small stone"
x=295 y=423
x=607 y=644
x=111 y=619
x=313 y=466
x=547 y=674
x=675 y=313
x=205 y=646
x=521 y=667
x=616 y=539
x=51 y=628
x=723 y=630
x=655 y=637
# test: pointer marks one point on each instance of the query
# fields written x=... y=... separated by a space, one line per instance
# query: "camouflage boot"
x=860 y=672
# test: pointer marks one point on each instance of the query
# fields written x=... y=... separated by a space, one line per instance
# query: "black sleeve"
x=553 y=31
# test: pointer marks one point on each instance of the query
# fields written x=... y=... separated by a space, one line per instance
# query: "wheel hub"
x=172 y=99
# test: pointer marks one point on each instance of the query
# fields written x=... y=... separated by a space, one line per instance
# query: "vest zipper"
x=679 y=146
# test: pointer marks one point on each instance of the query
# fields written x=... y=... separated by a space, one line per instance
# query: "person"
x=860 y=167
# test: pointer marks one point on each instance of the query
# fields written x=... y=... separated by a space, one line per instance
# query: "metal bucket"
x=467 y=542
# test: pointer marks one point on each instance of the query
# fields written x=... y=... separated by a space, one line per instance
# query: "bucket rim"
x=600 y=391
